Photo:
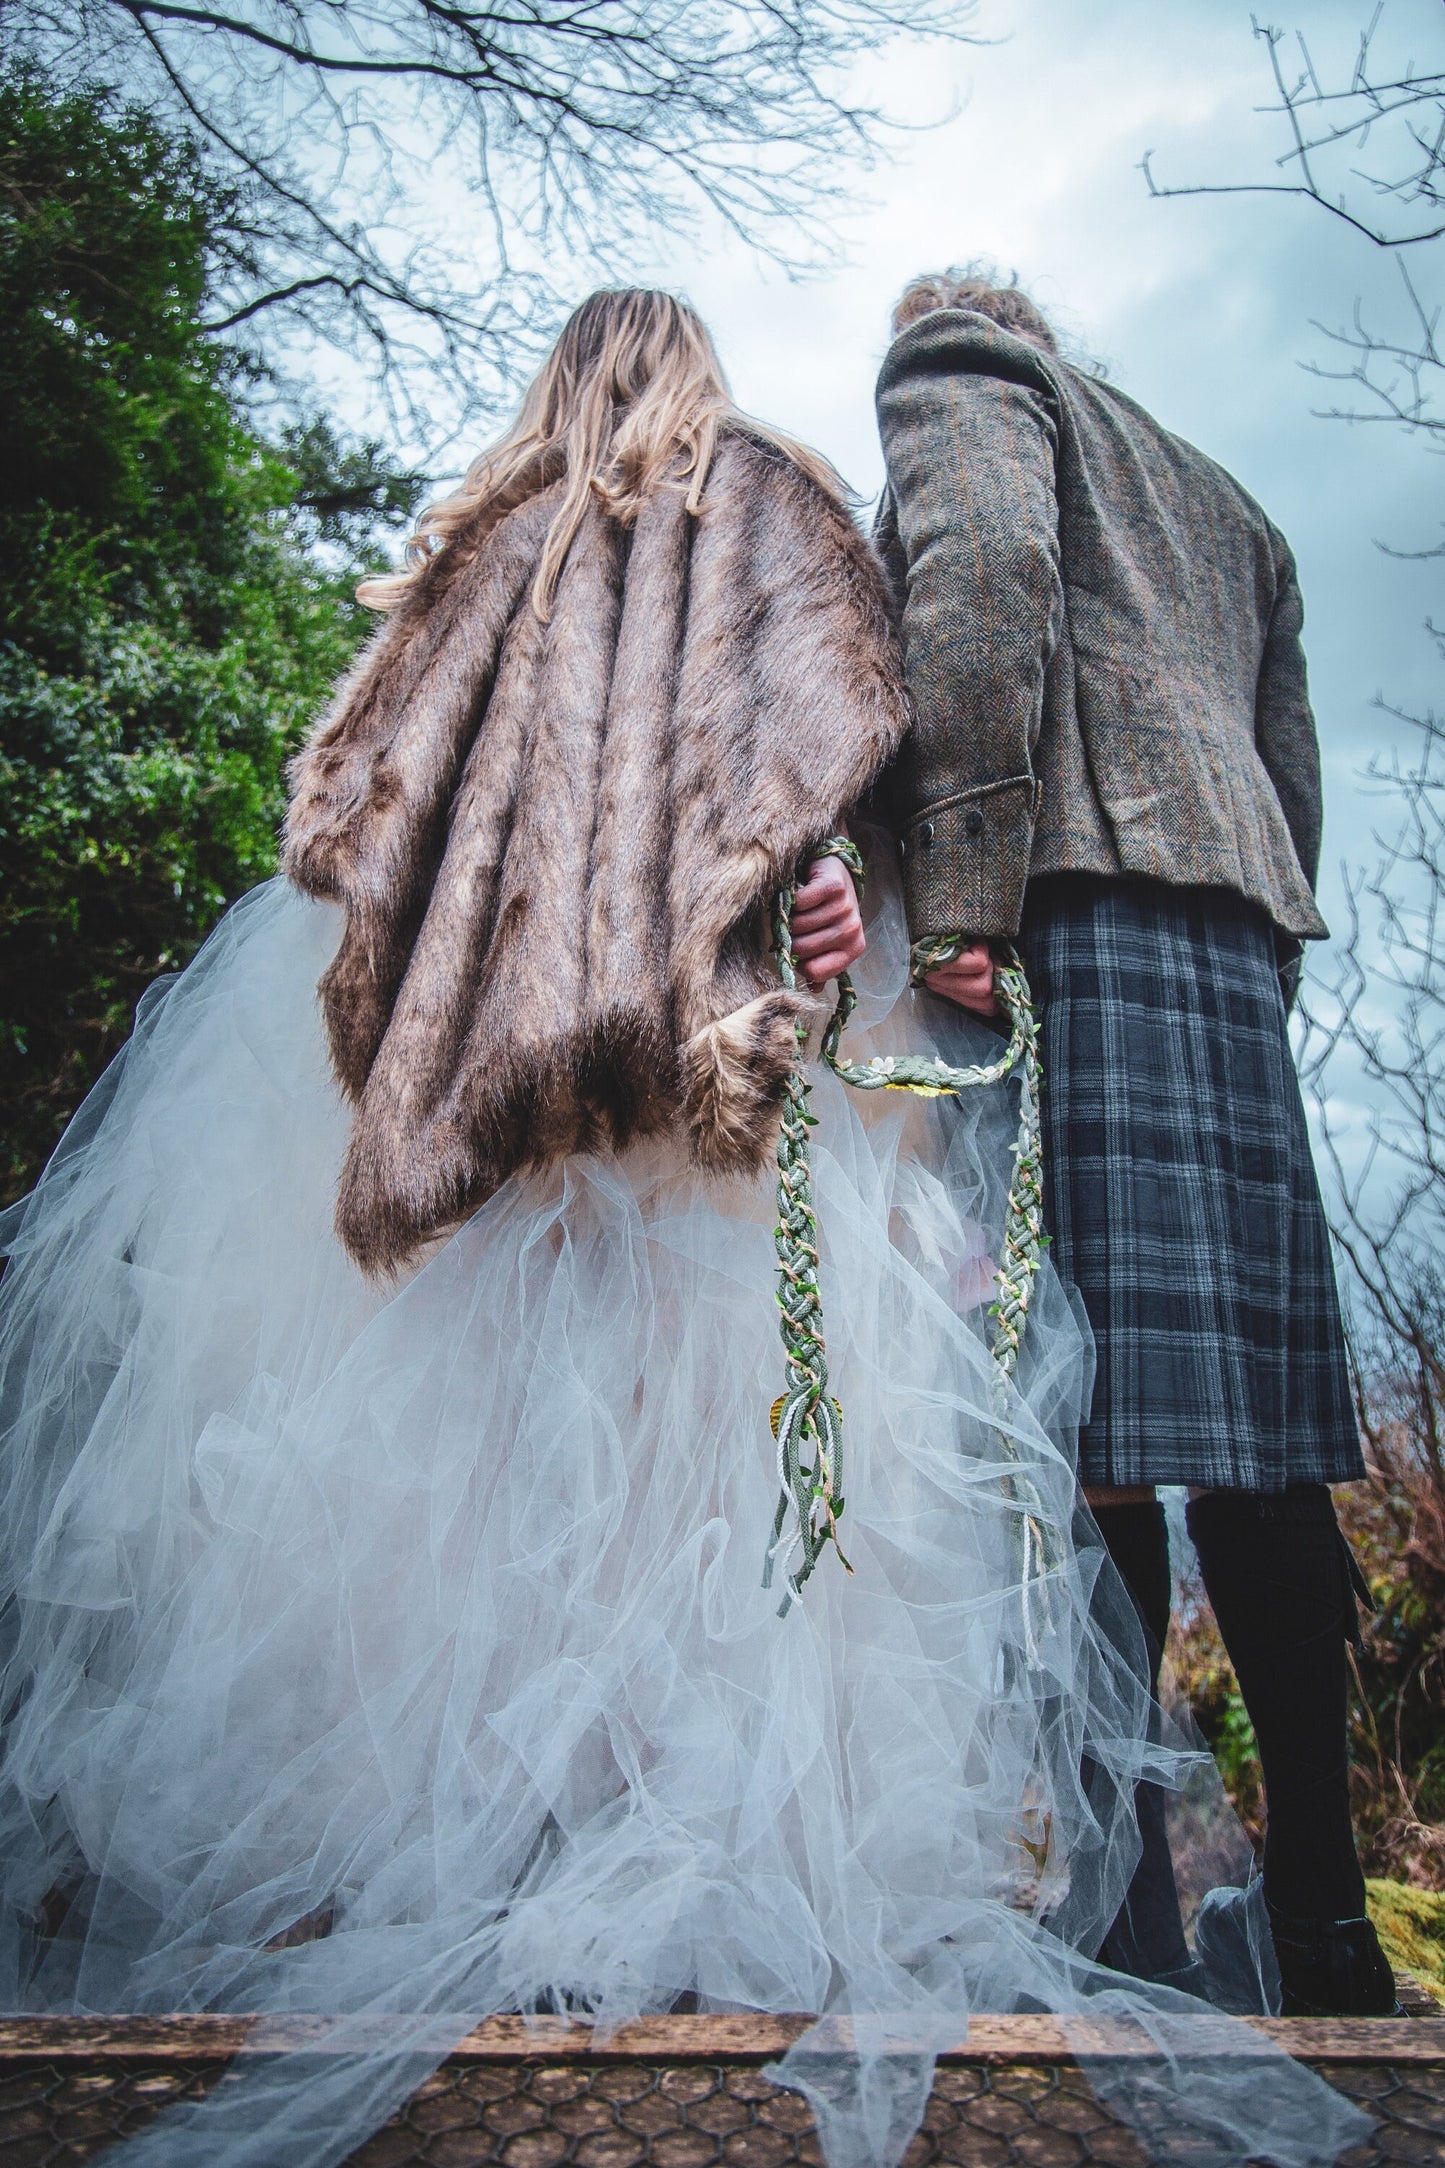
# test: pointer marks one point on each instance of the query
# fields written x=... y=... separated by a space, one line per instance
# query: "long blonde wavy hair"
x=629 y=401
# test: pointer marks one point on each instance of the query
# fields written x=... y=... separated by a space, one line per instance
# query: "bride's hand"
x=827 y=924
x=968 y=980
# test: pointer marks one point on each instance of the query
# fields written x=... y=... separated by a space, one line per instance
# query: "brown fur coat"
x=555 y=844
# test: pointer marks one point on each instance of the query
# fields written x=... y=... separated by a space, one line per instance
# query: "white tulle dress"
x=401 y=1652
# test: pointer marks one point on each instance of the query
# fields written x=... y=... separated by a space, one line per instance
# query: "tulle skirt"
x=401 y=1652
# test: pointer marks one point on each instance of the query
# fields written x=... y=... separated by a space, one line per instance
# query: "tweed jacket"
x=1102 y=636
x=556 y=843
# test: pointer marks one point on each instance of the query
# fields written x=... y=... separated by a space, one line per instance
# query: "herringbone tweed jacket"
x=556 y=843
x=1102 y=633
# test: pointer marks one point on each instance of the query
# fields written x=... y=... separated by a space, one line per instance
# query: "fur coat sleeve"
x=555 y=845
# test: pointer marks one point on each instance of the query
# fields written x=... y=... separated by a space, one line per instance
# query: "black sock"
x=1137 y=1539
x=1277 y=1573
x=1148 y=1936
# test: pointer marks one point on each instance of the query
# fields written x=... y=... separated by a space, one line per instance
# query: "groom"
x=1114 y=764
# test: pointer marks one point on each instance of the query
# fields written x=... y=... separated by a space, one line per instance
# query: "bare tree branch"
x=1375 y=1036
x=1369 y=151
x=1408 y=171
x=424 y=182
x=1397 y=378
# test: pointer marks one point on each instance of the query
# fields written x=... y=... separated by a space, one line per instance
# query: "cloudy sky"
x=1202 y=308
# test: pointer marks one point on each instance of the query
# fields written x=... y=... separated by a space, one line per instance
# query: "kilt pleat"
x=1181 y=1191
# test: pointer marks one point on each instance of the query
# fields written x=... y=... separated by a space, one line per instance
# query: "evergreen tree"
x=175 y=593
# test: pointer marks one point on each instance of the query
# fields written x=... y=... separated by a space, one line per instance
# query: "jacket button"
x=925 y=834
x=972 y=821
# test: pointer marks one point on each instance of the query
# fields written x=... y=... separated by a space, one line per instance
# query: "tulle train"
x=402 y=1651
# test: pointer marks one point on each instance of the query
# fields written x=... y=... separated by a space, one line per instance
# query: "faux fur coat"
x=556 y=844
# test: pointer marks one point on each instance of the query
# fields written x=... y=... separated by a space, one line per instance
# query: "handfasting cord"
x=806 y=1417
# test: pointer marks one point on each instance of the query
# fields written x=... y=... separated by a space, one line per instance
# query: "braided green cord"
x=805 y=1417
x=845 y=848
x=805 y=1413
x=1024 y=1240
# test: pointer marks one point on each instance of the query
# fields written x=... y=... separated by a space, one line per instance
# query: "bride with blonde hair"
x=388 y=1482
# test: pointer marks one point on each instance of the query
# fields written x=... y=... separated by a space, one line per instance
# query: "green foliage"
x=174 y=593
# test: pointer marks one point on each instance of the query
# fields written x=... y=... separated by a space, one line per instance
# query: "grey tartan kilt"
x=1181 y=1190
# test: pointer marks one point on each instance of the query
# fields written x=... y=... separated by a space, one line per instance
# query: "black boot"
x=1147 y=1938
x=1332 y=1968
x=1279 y=1576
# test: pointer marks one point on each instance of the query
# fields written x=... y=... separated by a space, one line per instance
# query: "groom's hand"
x=968 y=980
x=827 y=924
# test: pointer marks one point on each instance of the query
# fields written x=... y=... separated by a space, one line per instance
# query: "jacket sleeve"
x=969 y=430
x=1284 y=724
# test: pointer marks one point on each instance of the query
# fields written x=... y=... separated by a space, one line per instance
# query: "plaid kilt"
x=1181 y=1190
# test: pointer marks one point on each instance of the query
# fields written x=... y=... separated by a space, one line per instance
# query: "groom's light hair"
x=984 y=293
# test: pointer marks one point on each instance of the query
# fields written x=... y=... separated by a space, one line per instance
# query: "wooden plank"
x=749 y=2039
x=1414 y=1998
x=136 y=2039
